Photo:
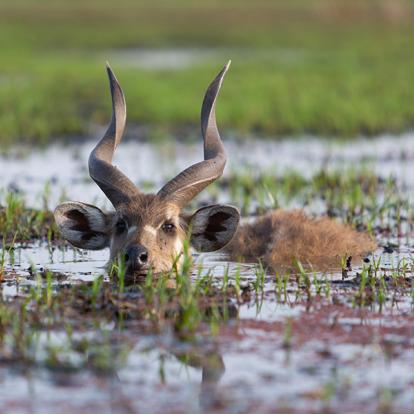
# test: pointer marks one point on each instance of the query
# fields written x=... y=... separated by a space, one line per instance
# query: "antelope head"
x=149 y=230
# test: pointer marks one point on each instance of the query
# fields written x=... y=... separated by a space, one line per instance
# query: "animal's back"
x=281 y=237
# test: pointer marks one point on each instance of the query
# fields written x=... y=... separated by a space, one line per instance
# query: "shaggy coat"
x=148 y=231
x=280 y=238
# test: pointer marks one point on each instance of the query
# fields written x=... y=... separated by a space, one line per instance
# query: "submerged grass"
x=357 y=197
x=193 y=308
x=19 y=223
x=70 y=310
x=297 y=67
x=63 y=327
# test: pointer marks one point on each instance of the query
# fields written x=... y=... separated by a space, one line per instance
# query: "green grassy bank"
x=333 y=68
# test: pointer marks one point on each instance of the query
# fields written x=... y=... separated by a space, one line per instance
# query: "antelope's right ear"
x=212 y=227
x=83 y=225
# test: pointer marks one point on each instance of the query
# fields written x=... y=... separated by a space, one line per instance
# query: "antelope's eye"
x=120 y=226
x=168 y=227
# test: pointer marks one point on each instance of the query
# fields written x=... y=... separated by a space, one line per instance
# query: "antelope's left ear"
x=212 y=227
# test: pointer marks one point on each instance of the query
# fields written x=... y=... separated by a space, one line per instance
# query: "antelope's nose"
x=137 y=257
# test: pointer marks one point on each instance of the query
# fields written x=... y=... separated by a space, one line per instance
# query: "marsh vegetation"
x=297 y=340
x=216 y=336
x=332 y=68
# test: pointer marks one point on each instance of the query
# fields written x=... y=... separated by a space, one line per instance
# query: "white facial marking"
x=131 y=231
x=150 y=230
x=178 y=247
x=178 y=252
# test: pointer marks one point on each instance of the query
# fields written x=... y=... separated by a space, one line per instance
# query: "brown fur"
x=149 y=226
x=148 y=210
x=281 y=237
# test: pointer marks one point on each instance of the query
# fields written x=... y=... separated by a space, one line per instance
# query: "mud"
x=308 y=342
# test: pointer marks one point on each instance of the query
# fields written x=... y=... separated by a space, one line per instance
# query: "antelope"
x=149 y=230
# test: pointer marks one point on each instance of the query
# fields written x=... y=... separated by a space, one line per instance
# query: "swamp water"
x=308 y=342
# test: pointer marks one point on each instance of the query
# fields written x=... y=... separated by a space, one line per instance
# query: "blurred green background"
x=326 y=67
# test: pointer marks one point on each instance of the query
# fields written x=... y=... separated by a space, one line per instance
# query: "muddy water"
x=274 y=356
x=64 y=169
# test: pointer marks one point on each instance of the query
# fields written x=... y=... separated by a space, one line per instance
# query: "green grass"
x=193 y=307
x=297 y=68
x=18 y=223
x=56 y=324
x=357 y=197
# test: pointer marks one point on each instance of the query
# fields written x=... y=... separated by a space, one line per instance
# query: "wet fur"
x=281 y=237
x=139 y=223
x=148 y=210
